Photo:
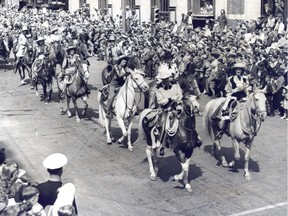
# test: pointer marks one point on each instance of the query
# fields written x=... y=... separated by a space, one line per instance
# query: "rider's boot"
x=224 y=128
x=64 y=89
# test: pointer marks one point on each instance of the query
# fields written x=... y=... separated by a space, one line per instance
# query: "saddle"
x=232 y=108
x=152 y=118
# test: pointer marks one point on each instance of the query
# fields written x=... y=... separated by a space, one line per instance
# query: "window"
x=103 y=4
x=202 y=7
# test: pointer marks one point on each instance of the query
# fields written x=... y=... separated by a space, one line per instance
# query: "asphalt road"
x=110 y=180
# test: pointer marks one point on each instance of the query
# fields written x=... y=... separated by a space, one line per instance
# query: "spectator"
x=49 y=189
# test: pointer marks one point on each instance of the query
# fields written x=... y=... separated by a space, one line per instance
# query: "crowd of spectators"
x=261 y=44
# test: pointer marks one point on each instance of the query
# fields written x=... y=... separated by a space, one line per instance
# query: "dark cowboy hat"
x=216 y=53
x=122 y=58
x=168 y=55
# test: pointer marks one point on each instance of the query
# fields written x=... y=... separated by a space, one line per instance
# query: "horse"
x=76 y=88
x=125 y=106
x=56 y=54
x=242 y=128
x=42 y=69
x=183 y=139
x=25 y=62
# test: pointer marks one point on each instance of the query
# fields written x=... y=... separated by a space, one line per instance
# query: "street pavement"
x=110 y=180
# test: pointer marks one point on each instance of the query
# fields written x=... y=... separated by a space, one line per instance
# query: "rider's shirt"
x=236 y=86
x=41 y=50
x=71 y=61
x=163 y=94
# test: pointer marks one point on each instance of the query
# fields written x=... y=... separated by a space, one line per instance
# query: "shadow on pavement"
x=170 y=166
x=229 y=154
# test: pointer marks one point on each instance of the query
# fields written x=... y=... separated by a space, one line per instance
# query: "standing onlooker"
x=222 y=19
x=49 y=189
x=285 y=102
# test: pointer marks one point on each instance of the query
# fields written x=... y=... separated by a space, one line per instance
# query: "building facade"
x=173 y=9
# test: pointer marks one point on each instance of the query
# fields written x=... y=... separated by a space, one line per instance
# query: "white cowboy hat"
x=40 y=39
x=164 y=72
x=240 y=65
x=55 y=161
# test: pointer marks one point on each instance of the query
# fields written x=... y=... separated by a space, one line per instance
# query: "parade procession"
x=136 y=107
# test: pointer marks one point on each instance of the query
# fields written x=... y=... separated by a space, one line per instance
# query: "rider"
x=167 y=93
x=22 y=42
x=236 y=89
x=41 y=49
x=69 y=66
x=39 y=53
x=119 y=74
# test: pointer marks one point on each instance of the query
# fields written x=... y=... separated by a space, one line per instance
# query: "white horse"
x=125 y=107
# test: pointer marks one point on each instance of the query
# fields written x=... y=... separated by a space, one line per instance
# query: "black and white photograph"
x=143 y=107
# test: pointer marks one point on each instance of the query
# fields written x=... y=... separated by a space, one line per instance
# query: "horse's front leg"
x=222 y=157
x=76 y=109
x=149 y=151
x=130 y=147
x=184 y=175
x=236 y=153
x=247 y=174
x=123 y=129
x=84 y=99
x=68 y=107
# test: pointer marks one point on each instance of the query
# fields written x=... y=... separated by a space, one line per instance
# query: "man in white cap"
x=54 y=164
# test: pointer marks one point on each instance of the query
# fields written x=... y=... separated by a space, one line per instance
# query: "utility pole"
x=123 y=5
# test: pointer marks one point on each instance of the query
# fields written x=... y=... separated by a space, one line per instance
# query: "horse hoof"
x=37 y=94
x=120 y=142
x=174 y=178
x=153 y=178
x=231 y=164
x=78 y=120
x=225 y=164
x=130 y=149
x=188 y=188
x=247 y=176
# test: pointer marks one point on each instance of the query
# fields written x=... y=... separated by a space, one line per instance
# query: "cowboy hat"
x=40 y=39
x=164 y=72
x=24 y=28
x=215 y=53
x=122 y=58
x=111 y=38
x=55 y=161
x=239 y=65
x=71 y=48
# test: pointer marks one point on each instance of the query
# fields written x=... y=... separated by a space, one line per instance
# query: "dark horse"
x=183 y=139
x=42 y=70
x=76 y=88
x=57 y=54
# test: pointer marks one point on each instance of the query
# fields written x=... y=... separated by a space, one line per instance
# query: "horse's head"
x=137 y=77
x=258 y=103
x=191 y=104
x=84 y=72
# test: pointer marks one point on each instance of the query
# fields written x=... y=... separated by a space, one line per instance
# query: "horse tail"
x=207 y=126
x=141 y=132
x=101 y=112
